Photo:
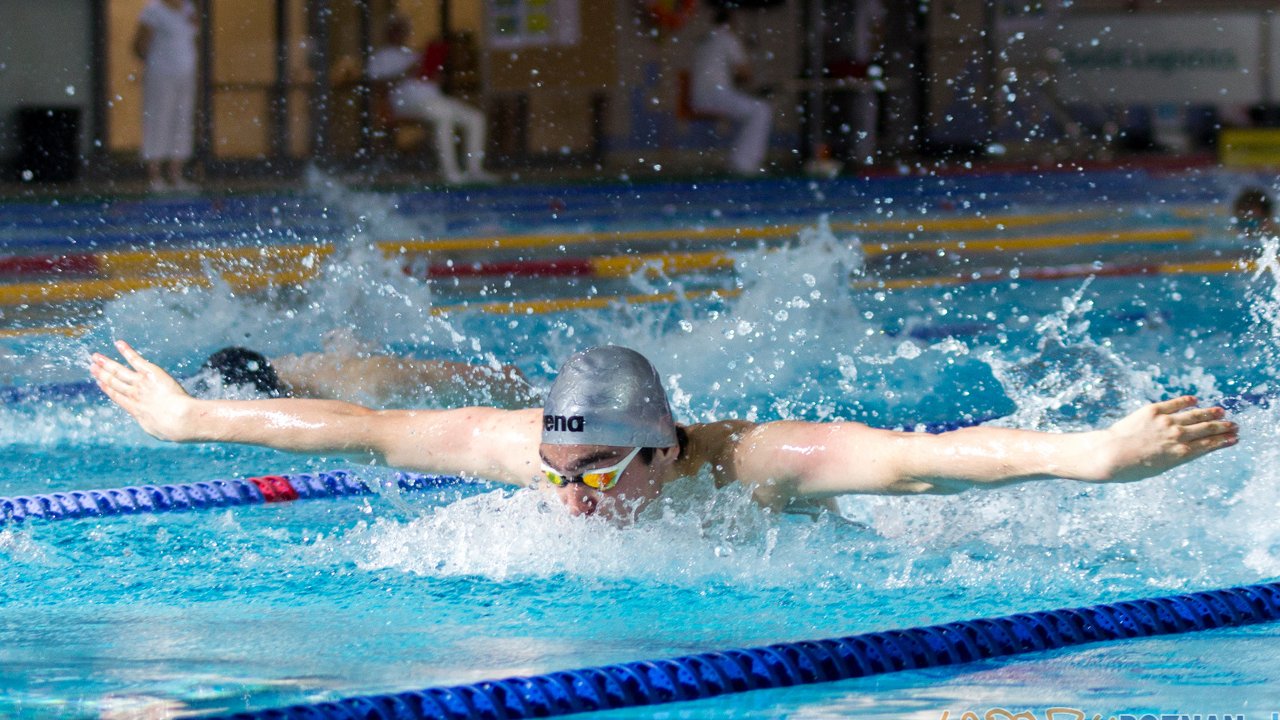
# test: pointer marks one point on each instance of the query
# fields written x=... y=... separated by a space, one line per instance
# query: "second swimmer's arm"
x=478 y=442
x=381 y=379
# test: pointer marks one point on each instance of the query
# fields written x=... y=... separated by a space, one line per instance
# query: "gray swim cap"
x=608 y=396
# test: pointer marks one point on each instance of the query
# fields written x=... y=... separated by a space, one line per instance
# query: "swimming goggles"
x=597 y=479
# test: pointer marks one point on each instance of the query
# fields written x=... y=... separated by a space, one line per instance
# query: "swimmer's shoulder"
x=711 y=447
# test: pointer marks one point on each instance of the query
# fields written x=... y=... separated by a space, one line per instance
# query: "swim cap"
x=240 y=366
x=608 y=396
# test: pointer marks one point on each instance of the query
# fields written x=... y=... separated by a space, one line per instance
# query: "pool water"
x=262 y=606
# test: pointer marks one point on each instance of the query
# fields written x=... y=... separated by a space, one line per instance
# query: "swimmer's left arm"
x=793 y=459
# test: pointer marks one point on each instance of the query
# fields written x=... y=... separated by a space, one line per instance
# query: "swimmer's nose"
x=579 y=500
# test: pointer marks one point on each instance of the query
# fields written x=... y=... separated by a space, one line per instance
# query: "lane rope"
x=712 y=674
x=126 y=263
x=601 y=302
x=179 y=497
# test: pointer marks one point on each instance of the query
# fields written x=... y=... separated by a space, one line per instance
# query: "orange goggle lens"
x=597 y=479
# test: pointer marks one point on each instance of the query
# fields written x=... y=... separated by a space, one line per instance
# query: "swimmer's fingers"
x=110 y=377
x=1207 y=430
x=122 y=397
x=154 y=399
x=1209 y=444
x=135 y=360
x=1199 y=415
x=143 y=391
x=148 y=373
x=108 y=372
x=1177 y=404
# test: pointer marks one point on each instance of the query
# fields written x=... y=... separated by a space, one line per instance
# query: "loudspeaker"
x=48 y=144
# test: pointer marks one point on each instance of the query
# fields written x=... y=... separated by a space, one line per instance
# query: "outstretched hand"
x=145 y=391
x=1162 y=436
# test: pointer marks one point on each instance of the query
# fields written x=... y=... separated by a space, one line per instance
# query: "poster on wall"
x=517 y=24
x=1177 y=58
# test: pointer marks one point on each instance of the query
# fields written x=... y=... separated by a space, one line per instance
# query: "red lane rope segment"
x=80 y=264
x=275 y=488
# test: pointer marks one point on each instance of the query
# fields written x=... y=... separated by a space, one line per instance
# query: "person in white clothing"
x=413 y=95
x=718 y=62
x=165 y=41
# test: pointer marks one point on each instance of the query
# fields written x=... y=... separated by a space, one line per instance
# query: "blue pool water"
x=262 y=606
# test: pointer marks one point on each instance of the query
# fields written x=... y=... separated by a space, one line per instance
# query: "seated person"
x=720 y=62
x=415 y=94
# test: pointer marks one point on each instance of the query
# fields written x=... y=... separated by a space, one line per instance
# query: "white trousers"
x=424 y=101
x=168 y=116
x=747 y=154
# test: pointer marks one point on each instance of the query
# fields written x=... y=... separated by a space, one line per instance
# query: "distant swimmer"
x=1253 y=214
x=362 y=377
x=605 y=441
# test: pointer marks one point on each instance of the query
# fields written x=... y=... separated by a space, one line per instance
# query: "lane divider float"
x=176 y=497
x=248 y=260
x=808 y=662
x=656 y=264
x=96 y=289
x=250 y=269
x=104 y=290
x=1060 y=272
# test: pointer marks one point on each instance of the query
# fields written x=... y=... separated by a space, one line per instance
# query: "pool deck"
x=136 y=186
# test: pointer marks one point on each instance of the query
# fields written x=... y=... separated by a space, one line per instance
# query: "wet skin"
x=781 y=462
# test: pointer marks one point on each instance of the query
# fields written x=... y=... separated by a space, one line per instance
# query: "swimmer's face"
x=638 y=484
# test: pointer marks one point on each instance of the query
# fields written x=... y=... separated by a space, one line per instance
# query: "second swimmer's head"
x=244 y=368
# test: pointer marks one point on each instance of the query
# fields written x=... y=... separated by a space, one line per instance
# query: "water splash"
x=790 y=318
x=693 y=535
x=1073 y=380
x=794 y=343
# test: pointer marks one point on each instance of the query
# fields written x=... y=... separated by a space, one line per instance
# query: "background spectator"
x=719 y=64
x=166 y=43
x=414 y=93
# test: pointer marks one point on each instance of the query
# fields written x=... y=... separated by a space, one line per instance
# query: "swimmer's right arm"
x=474 y=442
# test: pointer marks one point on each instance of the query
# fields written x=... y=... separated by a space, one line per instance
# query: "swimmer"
x=363 y=377
x=1253 y=214
x=605 y=441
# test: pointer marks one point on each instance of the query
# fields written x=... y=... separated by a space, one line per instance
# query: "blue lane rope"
x=706 y=675
x=177 y=497
x=61 y=392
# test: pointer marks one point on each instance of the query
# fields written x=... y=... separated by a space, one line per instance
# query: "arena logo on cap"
x=562 y=423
